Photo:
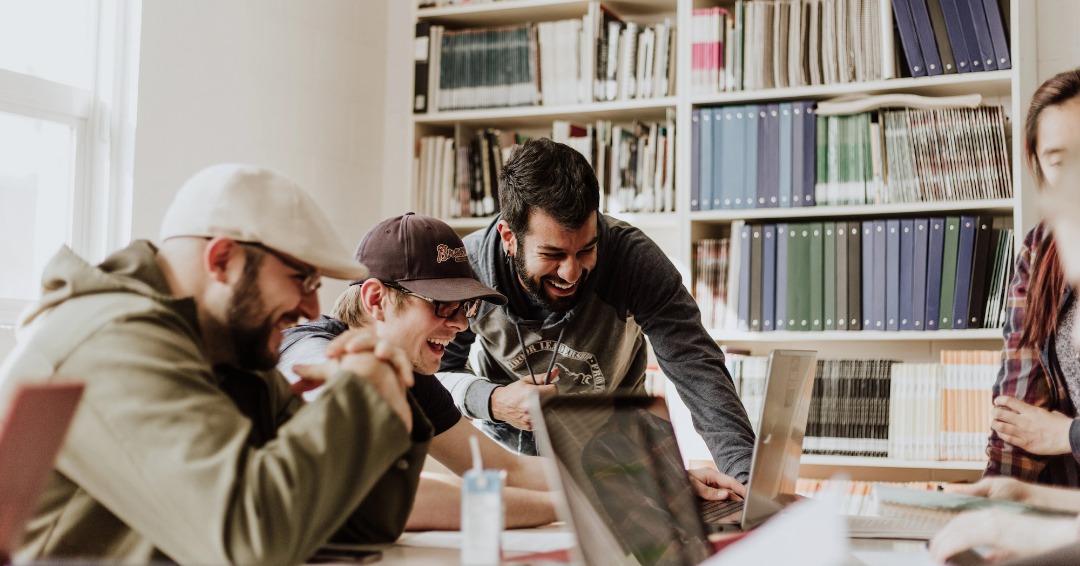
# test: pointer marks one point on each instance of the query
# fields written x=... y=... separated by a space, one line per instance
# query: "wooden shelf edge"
x=866 y=462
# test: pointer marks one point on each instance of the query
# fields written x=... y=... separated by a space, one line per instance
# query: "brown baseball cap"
x=425 y=256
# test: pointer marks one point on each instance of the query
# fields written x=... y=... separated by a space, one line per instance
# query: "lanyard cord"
x=554 y=354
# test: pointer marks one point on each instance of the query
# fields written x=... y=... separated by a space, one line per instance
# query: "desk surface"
x=864 y=552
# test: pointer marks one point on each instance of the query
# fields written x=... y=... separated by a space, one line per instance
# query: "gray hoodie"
x=633 y=292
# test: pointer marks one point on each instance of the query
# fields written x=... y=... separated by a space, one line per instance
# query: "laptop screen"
x=619 y=454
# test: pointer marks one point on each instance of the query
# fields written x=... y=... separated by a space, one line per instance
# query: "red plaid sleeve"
x=1022 y=374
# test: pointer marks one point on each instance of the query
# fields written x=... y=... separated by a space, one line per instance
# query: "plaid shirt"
x=1028 y=374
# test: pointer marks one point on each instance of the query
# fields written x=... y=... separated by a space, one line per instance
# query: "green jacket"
x=161 y=464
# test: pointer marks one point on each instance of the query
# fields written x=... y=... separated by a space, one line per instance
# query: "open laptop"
x=31 y=432
x=626 y=491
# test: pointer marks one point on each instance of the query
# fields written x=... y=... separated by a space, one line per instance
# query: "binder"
x=809 y=141
x=421 y=61
x=756 y=262
x=786 y=157
x=978 y=52
x=919 y=264
x=948 y=272
x=744 y=278
x=934 y=251
x=924 y=32
x=998 y=34
x=941 y=36
x=907 y=274
x=965 y=61
x=841 y=276
x=817 y=275
x=981 y=270
x=829 y=277
x=705 y=164
x=854 y=240
x=867 y=274
x=768 y=152
x=798 y=275
x=754 y=115
x=695 y=159
x=905 y=28
x=781 y=310
x=964 y=260
x=731 y=168
x=892 y=274
x=982 y=35
x=768 y=277
x=797 y=153
x=719 y=175
x=879 y=258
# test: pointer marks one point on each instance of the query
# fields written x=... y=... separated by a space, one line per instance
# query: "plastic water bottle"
x=481 y=513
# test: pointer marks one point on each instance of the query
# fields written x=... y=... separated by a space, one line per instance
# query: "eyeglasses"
x=445 y=309
x=311 y=280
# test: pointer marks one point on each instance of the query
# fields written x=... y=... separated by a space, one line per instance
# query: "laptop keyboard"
x=712 y=511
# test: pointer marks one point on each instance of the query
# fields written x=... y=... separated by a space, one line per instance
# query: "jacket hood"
x=133 y=269
x=325 y=326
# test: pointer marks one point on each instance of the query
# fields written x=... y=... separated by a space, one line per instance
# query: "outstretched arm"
x=438 y=505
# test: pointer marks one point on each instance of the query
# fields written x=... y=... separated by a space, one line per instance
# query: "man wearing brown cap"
x=419 y=295
x=189 y=446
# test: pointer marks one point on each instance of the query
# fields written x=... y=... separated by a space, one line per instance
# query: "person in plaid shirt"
x=1034 y=435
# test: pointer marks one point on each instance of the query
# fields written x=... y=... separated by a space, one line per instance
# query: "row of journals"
x=593 y=58
x=882 y=408
x=881 y=274
x=634 y=164
x=952 y=36
x=764 y=44
x=454 y=181
x=786 y=155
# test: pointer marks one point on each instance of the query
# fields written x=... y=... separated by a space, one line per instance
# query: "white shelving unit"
x=675 y=232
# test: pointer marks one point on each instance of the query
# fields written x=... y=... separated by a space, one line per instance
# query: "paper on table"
x=808 y=524
x=526 y=540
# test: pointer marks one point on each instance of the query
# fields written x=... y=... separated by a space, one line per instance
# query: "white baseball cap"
x=256 y=205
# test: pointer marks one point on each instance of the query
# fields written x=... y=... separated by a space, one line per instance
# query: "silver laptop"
x=626 y=491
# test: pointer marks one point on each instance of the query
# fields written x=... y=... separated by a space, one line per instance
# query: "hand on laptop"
x=510 y=403
x=709 y=483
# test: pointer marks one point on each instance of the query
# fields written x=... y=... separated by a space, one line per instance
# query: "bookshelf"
x=677 y=231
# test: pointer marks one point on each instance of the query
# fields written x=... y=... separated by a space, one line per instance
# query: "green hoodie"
x=160 y=463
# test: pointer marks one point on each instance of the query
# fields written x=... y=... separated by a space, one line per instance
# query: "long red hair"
x=1047 y=284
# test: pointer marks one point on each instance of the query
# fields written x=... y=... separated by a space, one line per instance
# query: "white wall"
x=294 y=85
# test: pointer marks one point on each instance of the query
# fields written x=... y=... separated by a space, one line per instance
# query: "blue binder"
x=964 y=259
x=719 y=173
x=892 y=274
x=781 y=260
x=744 y=278
x=978 y=52
x=909 y=40
x=924 y=31
x=919 y=263
x=934 y=252
x=695 y=156
x=706 y=163
x=868 y=275
x=768 y=276
x=787 y=157
x=964 y=60
x=982 y=34
x=907 y=274
x=998 y=35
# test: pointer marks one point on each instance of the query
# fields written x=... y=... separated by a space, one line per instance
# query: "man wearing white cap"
x=189 y=445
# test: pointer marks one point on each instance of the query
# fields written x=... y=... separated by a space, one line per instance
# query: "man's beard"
x=249 y=328
x=535 y=285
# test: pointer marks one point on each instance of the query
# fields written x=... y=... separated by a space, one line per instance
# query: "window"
x=68 y=75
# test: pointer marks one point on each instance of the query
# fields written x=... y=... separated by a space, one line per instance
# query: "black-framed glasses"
x=444 y=309
x=311 y=280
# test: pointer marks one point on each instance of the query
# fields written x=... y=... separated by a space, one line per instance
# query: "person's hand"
x=305 y=384
x=709 y=483
x=1029 y=427
x=997 y=487
x=510 y=403
x=1006 y=533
